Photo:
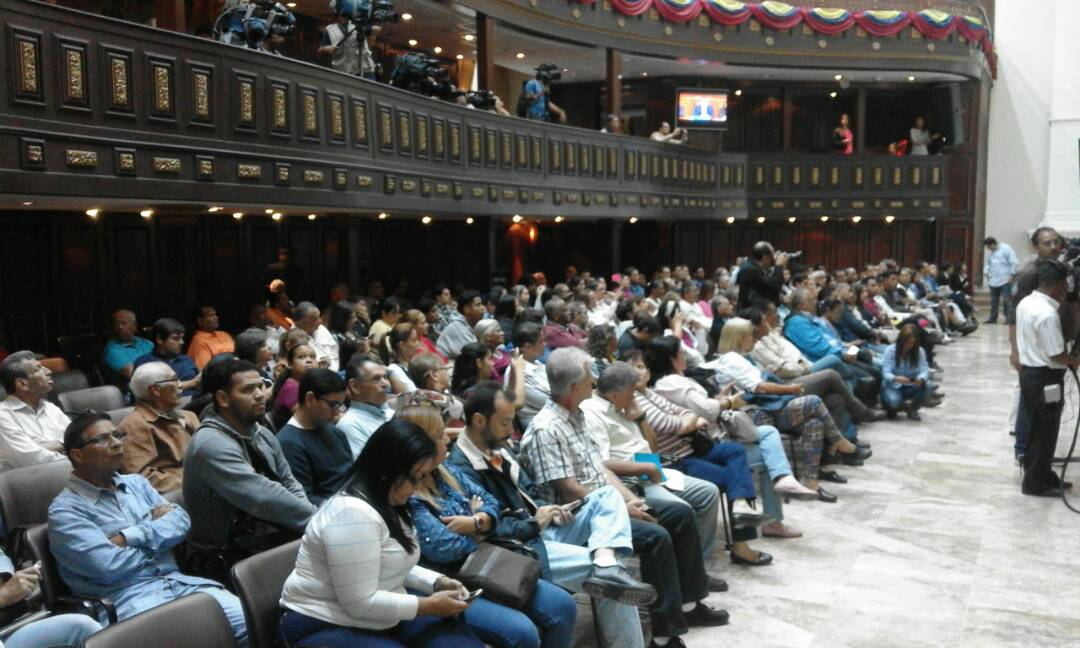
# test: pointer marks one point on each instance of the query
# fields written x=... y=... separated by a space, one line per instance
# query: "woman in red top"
x=420 y=325
x=843 y=140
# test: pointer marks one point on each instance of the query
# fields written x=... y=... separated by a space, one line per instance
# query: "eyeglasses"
x=103 y=439
x=168 y=381
x=336 y=405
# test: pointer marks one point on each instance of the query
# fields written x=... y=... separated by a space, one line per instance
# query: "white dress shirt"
x=326 y=347
x=616 y=437
x=1038 y=331
x=25 y=433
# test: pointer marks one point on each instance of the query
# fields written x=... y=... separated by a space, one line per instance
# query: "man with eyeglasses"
x=158 y=431
x=31 y=428
x=113 y=535
x=168 y=348
x=368 y=389
x=317 y=451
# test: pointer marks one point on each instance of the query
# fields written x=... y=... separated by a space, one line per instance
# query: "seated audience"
x=640 y=335
x=31 y=428
x=356 y=580
x=125 y=347
x=286 y=393
x=578 y=550
x=472 y=365
x=318 y=453
x=208 y=341
x=489 y=333
x=253 y=345
x=168 y=346
x=306 y=316
x=422 y=323
x=367 y=387
x=389 y=312
x=432 y=377
x=453 y=515
x=601 y=345
x=906 y=382
x=529 y=341
x=561 y=456
x=60 y=631
x=825 y=351
x=113 y=535
x=559 y=332
x=278 y=306
x=157 y=431
x=341 y=322
x=399 y=346
x=239 y=489
x=458 y=331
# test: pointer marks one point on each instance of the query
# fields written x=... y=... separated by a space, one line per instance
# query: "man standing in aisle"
x=999 y=268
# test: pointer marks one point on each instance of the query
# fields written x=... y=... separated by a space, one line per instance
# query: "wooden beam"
x=613 y=83
x=485 y=51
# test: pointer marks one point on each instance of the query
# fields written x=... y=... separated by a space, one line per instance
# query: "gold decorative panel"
x=279 y=108
x=506 y=149
x=815 y=175
x=119 y=84
x=246 y=102
x=654 y=164
x=386 y=128
x=359 y=123
x=201 y=81
x=858 y=176
x=404 y=123
x=759 y=175
x=585 y=158
x=796 y=175
x=125 y=162
x=476 y=145
x=282 y=174
x=34 y=154
x=613 y=161
x=438 y=135
x=879 y=176
x=77 y=158
x=555 y=155
x=364 y=182
x=631 y=165
x=337 y=117
x=727 y=175
x=408 y=185
x=341 y=178
x=778 y=174
x=537 y=157
x=935 y=176
x=206 y=168
x=897 y=176
x=740 y=176
x=166 y=165
x=442 y=188
x=28 y=67
x=598 y=160
x=455 y=141
x=422 y=135
x=491 y=146
x=916 y=176
x=666 y=168
x=834 y=176
x=311 y=115
x=571 y=157
x=858 y=204
x=75 y=81
x=249 y=171
x=936 y=204
x=162 y=76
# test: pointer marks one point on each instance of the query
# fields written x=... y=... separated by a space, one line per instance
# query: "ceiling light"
x=27 y=203
x=889 y=219
x=437 y=49
x=276 y=216
x=730 y=220
x=268 y=211
x=520 y=55
x=214 y=210
x=791 y=219
x=558 y=219
x=644 y=74
x=633 y=219
x=833 y=94
x=406 y=17
x=911 y=78
x=312 y=216
x=760 y=219
x=824 y=219
x=516 y=218
x=738 y=93
x=383 y=215
x=460 y=57
x=290 y=5
x=146 y=213
x=413 y=42
x=470 y=220
x=470 y=37
x=838 y=77
x=93 y=213
x=856 y=219
x=426 y=220
x=566 y=69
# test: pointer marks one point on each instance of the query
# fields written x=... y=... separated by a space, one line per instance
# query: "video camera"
x=547 y=73
x=481 y=99
x=423 y=74
x=249 y=24
x=365 y=13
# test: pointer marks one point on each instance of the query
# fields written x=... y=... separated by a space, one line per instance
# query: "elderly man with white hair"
x=158 y=431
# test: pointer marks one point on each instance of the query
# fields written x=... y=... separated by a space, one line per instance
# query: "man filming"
x=347 y=53
x=1043 y=359
x=762 y=275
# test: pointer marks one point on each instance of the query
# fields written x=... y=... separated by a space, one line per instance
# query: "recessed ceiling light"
x=516 y=218
x=644 y=74
x=760 y=219
x=460 y=57
x=406 y=16
x=312 y=216
x=276 y=216
x=238 y=215
x=520 y=55
x=791 y=219
x=738 y=93
x=146 y=213
x=426 y=220
x=833 y=94
x=214 y=210
x=633 y=219
x=566 y=69
x=437 y=49
x=889 y=219
x=268 y=211
x=470 y=220
x=911 y=78
x=413 y=42
x=558 y=219
x=730 y=220
x=838 y=77
x=824 y=219
x=93 y=213
x=290 y=5
x=27 y=203
x=470 y=37
x=856 y=219
x=383 y=215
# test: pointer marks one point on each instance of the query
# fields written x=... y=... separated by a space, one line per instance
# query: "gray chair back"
x=25 y=495
x=101 y=399
x=194 y=621
x=69 y=380
x=258 y=582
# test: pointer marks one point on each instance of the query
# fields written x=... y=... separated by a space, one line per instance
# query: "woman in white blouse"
x=666 y=363
x=356 y=580
x=397 y=349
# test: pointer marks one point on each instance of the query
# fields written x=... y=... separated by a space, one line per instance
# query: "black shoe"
x=1054 y=480
x=716 y=584
x=1053 y=491
x=990 y=322
x=674 y=642
x=852 y=458
x=913 y=415
x=831 y=476
x=703 y=615
x=616 y=583
x=890 y=414
x=825 y=496
x=861 y=443
x=763 y=559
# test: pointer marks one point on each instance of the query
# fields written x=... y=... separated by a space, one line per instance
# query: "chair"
x=193 y=621
x=101 y=399
x=258 y=581
x=83 y=352
x=70 y=380
x=25 y=495
x=56 y=365
x=58 y=598
x=118 y=415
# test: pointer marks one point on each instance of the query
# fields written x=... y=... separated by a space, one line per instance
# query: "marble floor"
x=931 y=543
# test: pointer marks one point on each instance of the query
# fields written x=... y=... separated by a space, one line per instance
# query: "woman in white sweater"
x=356 y=580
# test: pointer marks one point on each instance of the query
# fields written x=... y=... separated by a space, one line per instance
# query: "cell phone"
x=473 y=595
x=578 y=505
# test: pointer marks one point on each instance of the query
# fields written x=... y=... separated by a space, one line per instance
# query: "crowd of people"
x=579 y=424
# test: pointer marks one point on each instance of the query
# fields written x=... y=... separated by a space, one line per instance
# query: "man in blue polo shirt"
x=125 y=347
x=168 y=343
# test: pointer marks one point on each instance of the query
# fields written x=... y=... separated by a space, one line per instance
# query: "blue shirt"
x=137 y=577
x=360 y=422
x=890 y=370
x=320 y=459
x=810 y=337
x=438 y=544
x=182 y=364
x=120 y=354
x=1000 y=265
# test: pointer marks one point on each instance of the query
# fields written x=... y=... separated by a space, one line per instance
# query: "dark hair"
x=827 y=305
x=907 y=332
x=1038 y=232
x=387 y=458
x=761 y=250
x=74 y=431
x=465 y=371
x=532 y=315
x=599 y=338
x=660 y=356
x=352 y=370
x=466 y=298
x=1050 y=271
x=389 y=305
x=338 y=316
x=645 y=323
x=424 y=304
x=249 y=342
x=525 y=333
x=506 y=307
x=481 y=399
x=166 y=327
x=197 y=314
x=624 y=310
x=495 y=293
x=755 y=315
x=320 y=382
x=392 y=340
x=218 y=376
x=632 y=354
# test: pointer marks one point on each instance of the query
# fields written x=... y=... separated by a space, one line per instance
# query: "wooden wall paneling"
x=180 y=261
x=848 y=245
x=263 y=241
x=816 y=244
x=221 y=282
x=912 y=242
x=957 y=244
x=132 y=282
x=881 y=242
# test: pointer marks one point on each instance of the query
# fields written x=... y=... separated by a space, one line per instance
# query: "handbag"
x=738 y=426
x=506 y=577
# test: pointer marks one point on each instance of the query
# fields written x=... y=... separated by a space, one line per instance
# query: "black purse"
x=506 y=576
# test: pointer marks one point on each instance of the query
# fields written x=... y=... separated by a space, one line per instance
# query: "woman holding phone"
x=356 y=580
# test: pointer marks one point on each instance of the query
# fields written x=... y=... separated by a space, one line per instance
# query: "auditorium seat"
x=99 y=399
x=25 y=495
x=194 y=621
x=57 y=597
x=258 y=581
x=70 y=380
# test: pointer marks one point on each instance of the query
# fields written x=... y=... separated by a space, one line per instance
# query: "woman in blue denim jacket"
x=453 y=515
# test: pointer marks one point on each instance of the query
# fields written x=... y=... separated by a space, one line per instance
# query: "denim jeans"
x=893 y=396
x=299 y=631
x=702 y=497
x=601 y=523
x=997 y=294
x=772 y=452
x=62 y=631
x=548 y=621
x=726 y=467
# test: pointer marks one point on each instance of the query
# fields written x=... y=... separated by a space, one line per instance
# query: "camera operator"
x=762 y=275
x=347 y=48
x=665 y=134
x=535 y=100
x=1043 y=358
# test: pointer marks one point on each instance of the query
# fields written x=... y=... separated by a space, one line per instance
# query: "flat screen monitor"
x=697 y=108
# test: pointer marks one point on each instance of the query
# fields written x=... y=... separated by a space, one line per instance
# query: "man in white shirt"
x=306 y=317
x=31 y=428
x=1043 y=359
x=528 y=338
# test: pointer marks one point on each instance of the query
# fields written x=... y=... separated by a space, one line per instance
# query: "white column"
x=1063 y=178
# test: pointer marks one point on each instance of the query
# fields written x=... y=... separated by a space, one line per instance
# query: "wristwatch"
x=476 y=521
x=639 y=419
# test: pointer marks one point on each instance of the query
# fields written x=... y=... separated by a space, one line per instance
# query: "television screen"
x=701 y=108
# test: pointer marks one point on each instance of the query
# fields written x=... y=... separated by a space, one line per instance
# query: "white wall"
x=1063 y=190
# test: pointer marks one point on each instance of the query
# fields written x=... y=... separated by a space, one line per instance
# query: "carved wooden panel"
x=116 y=72
x=359 y=120
x=245 y=103
x=422 y=136
x=162 y=88
x=27 y=84
x=279 y=107
x=476 y=145
x=438 y=138
x=335 y=108
x=404 y=131
x=384 y=126
x=309 y=113
x=73 y=74
x=201 y=93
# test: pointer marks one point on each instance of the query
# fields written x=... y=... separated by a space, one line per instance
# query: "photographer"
x=665 y=134
x=1043 y=358
x=535 y=102
x=762 y=275
x=347 y=48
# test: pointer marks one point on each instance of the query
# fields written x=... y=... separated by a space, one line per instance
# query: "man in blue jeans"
x=999 y=268
x=583 y=549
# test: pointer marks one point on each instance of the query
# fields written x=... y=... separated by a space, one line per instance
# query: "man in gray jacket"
x=238 y=488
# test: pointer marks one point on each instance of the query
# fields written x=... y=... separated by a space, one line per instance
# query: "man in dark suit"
x=762 y=275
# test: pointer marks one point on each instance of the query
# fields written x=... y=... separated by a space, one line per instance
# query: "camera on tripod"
x=366 y=13
x=547 y=73
x=248 y=25
x=422 y=73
